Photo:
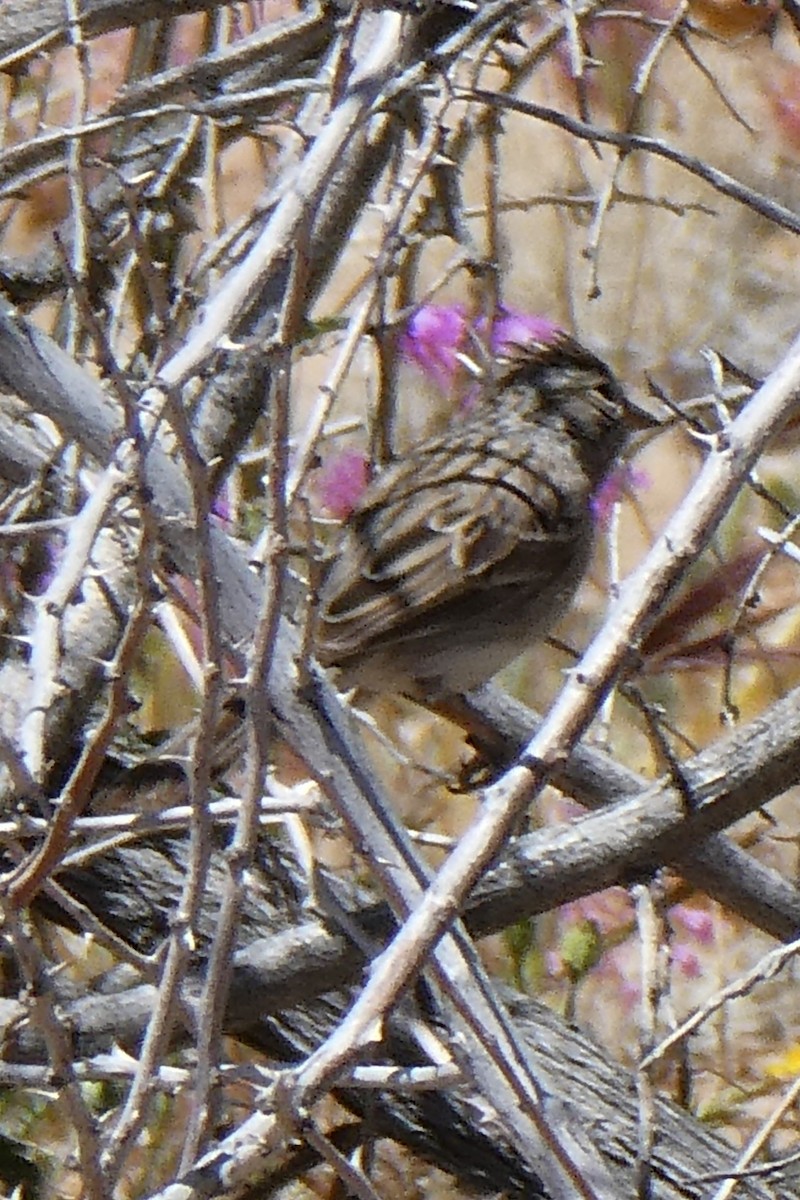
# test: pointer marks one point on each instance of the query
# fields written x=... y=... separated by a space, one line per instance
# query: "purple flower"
x=612 y=490
x=697 y=921
x=341 y=481
x=686 y=961
x=437 y=332
x=434 y=334
x=514 y=328
x=221 y=505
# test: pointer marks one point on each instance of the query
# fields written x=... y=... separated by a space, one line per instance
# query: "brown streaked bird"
x=470 y=548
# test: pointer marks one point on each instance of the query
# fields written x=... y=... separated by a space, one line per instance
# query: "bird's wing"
x=483 y=522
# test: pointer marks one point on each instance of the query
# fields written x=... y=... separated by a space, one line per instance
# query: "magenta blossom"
x=437 y=333
x=609 y=911
x=697 y=921
x=434 y=335
x=687 y=961
x=613 y=489
x=341 y=481
x=513 y=328
x=221 y=505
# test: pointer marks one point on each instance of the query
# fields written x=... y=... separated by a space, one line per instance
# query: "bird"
x=467 y=550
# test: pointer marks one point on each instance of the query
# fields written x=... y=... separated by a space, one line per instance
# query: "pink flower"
x=613 y=489
x=433 y=336
x=513 y=328
x=686 y=960
x=610 y=911
x=437 y=332
x=696 y=921
x=554 y=964
x=221 y=505
x=341 y=481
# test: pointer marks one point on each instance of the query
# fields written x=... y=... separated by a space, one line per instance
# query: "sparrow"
x=469 y=549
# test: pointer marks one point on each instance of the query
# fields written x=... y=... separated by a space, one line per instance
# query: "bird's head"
x=562 y=384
